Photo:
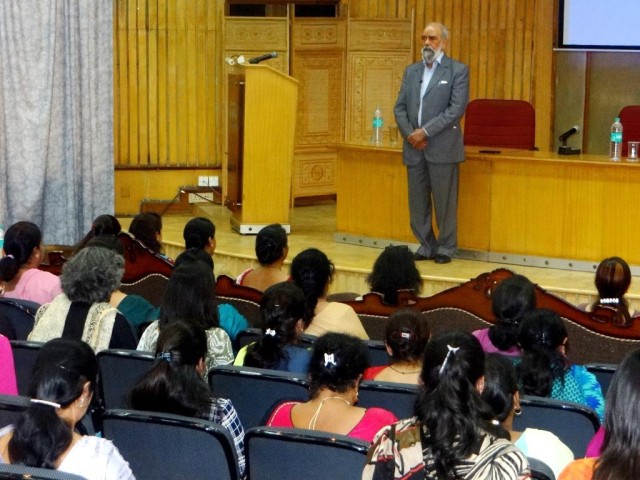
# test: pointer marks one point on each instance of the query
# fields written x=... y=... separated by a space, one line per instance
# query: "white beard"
x=429 y=54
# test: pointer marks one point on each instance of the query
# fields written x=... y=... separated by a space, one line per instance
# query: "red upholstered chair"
x=630 y=119
x=500 y=123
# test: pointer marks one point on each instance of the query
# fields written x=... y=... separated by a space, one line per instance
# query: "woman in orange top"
x=619 y=459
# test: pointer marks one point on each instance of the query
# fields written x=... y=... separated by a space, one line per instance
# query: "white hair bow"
x=329 y=359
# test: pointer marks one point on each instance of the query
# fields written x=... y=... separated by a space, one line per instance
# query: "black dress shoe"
x=443 y=258
x=419 y=257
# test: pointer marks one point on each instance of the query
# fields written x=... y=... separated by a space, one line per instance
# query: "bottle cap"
x=617 y=119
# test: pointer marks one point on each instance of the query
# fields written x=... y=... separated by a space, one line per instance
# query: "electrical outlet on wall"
x=201 y=197
x=203 y=181
x=213 y=181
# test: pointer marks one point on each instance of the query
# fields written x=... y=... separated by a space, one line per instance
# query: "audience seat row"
x=159 y=445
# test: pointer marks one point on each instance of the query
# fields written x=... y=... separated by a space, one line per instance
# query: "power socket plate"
x=203 y=197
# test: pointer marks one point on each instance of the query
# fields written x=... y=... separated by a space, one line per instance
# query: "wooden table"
x=514 y=202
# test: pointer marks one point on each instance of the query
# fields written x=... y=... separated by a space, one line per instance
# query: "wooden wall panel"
x=378 y=52
x=165 y=83
x=318 y=50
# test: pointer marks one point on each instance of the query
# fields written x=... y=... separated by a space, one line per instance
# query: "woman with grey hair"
x=82 y=311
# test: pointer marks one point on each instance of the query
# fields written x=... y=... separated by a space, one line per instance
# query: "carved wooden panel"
x=378 y=35
x=246 y=34
x=374 y=79
x=314 y=172
x=320 y=97
x=319 y=34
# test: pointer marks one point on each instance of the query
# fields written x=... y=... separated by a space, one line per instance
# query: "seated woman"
x=136 y=309
x=395 y=269
x=147 y=227
x=8 y=384
x=64 y=379
x=312 y=271
x=82 y=311
x=406 y=335
x=200 y=233
x=544 y=370
x=103 y=225
x=175 y=385
x=20 y=277
x=271 y=250
x=612 y=281
x=501 y=393
x=619 y=457
x=229 y=319
x=511 y=300
x=283 y=318
x=452 y=436
x=335 y=370
x=190 y=297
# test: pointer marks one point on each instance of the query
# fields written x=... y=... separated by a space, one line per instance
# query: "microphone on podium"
x=262 y=58
x=568 y=133
x=564 y=149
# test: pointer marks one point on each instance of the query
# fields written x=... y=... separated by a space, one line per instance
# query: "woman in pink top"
x=19 y=272
x=8 y=384
x=511 y=299
x=335 y=371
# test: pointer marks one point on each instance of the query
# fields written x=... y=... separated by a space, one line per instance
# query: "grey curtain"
x=56 y=114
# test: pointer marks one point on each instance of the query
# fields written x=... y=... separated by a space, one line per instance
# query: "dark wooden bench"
x=145 y=272
x=593 y=338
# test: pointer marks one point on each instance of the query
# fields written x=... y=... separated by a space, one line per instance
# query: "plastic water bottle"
x=376 y=138
x=615 y=143
x=1 y=238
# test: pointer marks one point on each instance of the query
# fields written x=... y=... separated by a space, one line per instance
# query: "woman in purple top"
x=511 y=299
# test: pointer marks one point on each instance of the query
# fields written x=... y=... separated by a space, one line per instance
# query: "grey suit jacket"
x=444 y=103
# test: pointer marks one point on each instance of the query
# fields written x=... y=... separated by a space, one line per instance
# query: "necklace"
x=403 y=373
x=314 y=418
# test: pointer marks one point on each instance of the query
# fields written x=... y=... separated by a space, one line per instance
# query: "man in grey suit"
x=432 y=99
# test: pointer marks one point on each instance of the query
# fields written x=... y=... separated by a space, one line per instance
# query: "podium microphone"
x=564 y=149
x=568 y=133
x=262 y=58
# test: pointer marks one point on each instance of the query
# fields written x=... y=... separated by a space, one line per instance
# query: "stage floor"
x=314 y=226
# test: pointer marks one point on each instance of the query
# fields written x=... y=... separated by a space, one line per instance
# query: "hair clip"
x=270 y=332
x=59 y=365
x=166 y=356
x=10 y=256
x=446 y=359
x=495 y=422
x=329 y=358
x=610 y=301
x=406 y=335
x=46 y=402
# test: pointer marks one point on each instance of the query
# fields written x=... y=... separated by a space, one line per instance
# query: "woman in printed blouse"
x=452 y=435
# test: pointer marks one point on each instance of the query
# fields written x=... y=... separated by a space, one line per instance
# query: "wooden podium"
x=262 y=115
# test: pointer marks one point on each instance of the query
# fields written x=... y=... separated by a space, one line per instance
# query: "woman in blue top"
x=544 y=370
x=284 y=319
